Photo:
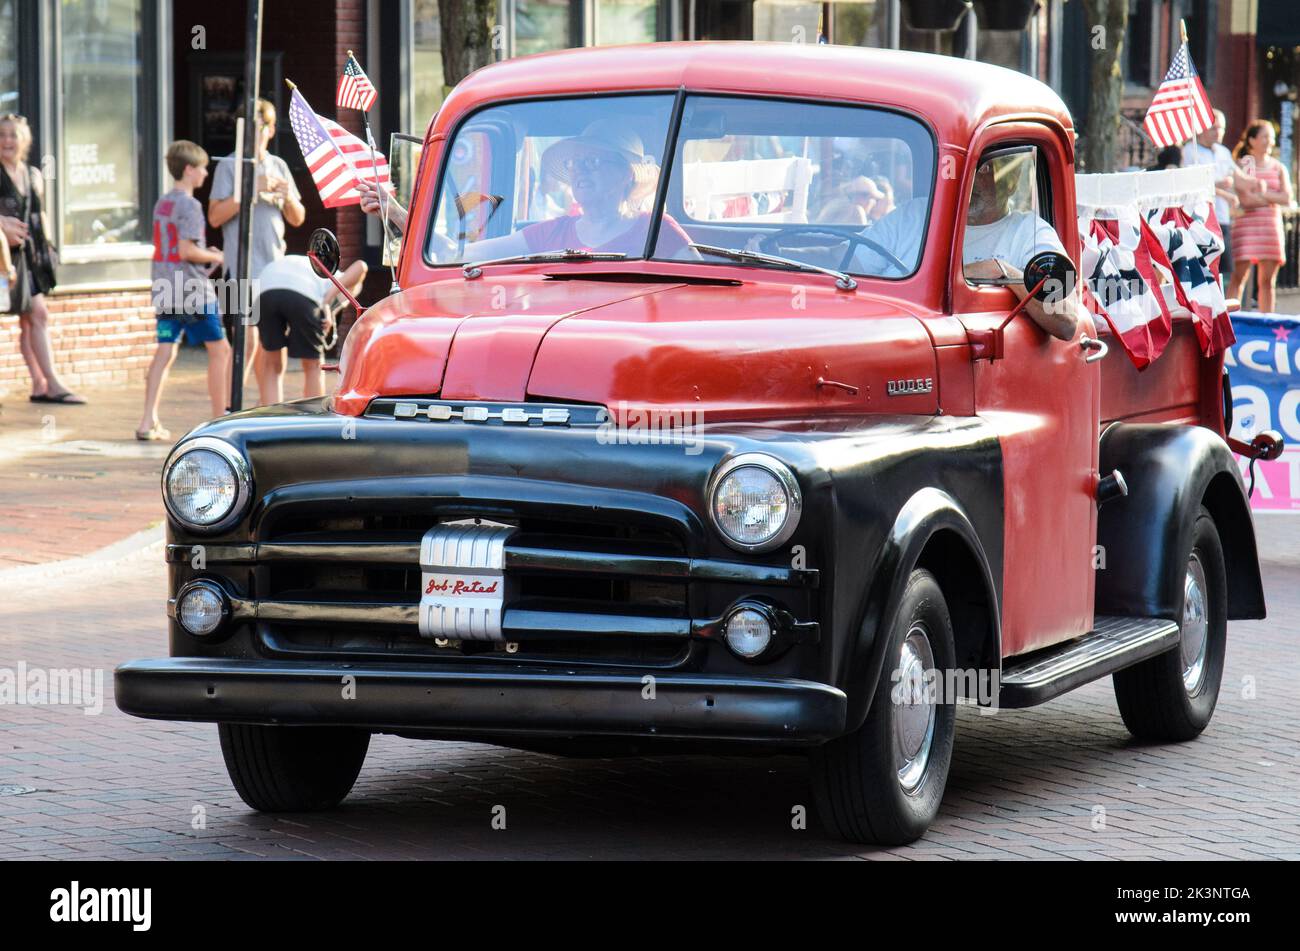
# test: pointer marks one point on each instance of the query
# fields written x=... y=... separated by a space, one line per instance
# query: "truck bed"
x=1181 y=386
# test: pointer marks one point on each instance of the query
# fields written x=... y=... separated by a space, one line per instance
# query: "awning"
x=934 y=14
x=1279 y=23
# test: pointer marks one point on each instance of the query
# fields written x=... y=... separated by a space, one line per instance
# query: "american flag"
x=1181 y=109
x=335 y=157
x=1192 y=241
x=1121 y=285
x=355 y=89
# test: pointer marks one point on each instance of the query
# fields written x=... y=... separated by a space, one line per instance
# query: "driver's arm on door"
x=1058 y=318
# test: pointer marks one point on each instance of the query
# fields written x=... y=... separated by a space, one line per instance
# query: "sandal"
x=68 y=399
x=156 y=434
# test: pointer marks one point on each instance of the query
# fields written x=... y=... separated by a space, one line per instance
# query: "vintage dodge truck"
x=693 y=426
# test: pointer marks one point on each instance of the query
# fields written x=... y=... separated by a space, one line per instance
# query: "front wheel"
x=292 y=768
x=883 y=784
x=1171 y=697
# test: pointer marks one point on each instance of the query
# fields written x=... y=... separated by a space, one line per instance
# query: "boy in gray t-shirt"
x=183 y=296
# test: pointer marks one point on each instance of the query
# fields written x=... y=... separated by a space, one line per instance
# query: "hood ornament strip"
x=508 y=414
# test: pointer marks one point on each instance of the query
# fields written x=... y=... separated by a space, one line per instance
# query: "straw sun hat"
x=611 y=136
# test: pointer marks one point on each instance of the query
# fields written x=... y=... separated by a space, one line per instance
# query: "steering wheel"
x=771 y=246
x=467 y=203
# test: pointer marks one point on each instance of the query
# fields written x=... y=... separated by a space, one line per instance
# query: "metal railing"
x=1133 y=147
x=1289 y=275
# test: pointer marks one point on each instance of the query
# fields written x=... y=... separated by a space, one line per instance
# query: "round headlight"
x=755 y=502
x=201 y=609
x=748 y=633
x=205 y=484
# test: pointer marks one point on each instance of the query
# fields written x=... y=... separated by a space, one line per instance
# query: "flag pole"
x=1182 y=32
x=243 y=287
x=383 y=199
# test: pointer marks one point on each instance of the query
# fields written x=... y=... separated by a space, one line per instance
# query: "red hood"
x=754 y=351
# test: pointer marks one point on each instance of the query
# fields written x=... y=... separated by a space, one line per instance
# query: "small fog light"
x=749 y=632
x=201 y=609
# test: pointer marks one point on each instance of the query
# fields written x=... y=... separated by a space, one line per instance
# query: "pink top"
x=1257 y=232
x=560 y=234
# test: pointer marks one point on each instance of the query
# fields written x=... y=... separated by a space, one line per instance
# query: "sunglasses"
x=591 y=163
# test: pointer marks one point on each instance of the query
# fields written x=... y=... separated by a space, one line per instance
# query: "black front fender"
x=928 y=514
x=1171 y=472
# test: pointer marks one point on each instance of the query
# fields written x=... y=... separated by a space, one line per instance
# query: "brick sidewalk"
x=73 y=479
x=1059 y=781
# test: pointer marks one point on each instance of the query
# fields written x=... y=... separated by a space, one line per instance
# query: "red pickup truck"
x=713 y=411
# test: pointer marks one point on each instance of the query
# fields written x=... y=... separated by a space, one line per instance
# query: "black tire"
x=861 y=793
x=292 y=768
x=1155 y=697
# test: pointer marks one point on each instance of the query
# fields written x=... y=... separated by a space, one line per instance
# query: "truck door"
x=1040 y=396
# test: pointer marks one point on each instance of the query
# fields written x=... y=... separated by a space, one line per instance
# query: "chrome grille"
x=621 y=590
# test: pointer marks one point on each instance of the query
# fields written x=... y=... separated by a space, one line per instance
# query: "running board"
x=1115 y=643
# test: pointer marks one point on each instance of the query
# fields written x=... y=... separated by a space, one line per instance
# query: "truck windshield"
x=830 y=186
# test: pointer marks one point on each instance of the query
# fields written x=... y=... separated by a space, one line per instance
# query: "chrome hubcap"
x=914 y=711
x=1196 y=626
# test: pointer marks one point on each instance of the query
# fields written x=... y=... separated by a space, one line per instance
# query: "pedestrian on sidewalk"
x=1264 y=190
x=22 y=219
x=184 y=298
x=276 y=202
x=294 y=311
x=1208 y=149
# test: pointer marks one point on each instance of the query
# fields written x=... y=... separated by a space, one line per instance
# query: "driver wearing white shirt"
x=996 y=247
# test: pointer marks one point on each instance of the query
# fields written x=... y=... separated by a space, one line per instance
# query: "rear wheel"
x=1171 y=697
x=883 y=784
x=292 y=768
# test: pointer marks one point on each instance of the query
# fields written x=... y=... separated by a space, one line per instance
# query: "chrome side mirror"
x=323 y=250
x=1050 y=276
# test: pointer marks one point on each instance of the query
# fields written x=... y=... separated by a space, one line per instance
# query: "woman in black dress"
x=23 y=223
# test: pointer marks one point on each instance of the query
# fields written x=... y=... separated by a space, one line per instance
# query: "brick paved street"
x=1062 y=780
x=1024 y=784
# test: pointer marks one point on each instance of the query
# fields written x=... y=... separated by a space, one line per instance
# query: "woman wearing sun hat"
x=611 y=179
x=610 y=176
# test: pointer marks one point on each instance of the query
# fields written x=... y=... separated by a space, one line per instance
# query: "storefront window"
x=858 y=23
x=8 y=56
x=427 y=81
x=842 y=22
x=926 y=41
x=1002 y=48
x=786 y=22
x=626 y=21
x=542 y=25
x=101 y=115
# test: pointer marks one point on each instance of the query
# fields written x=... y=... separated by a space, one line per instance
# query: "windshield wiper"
x=569 y=254
x=842 y=280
